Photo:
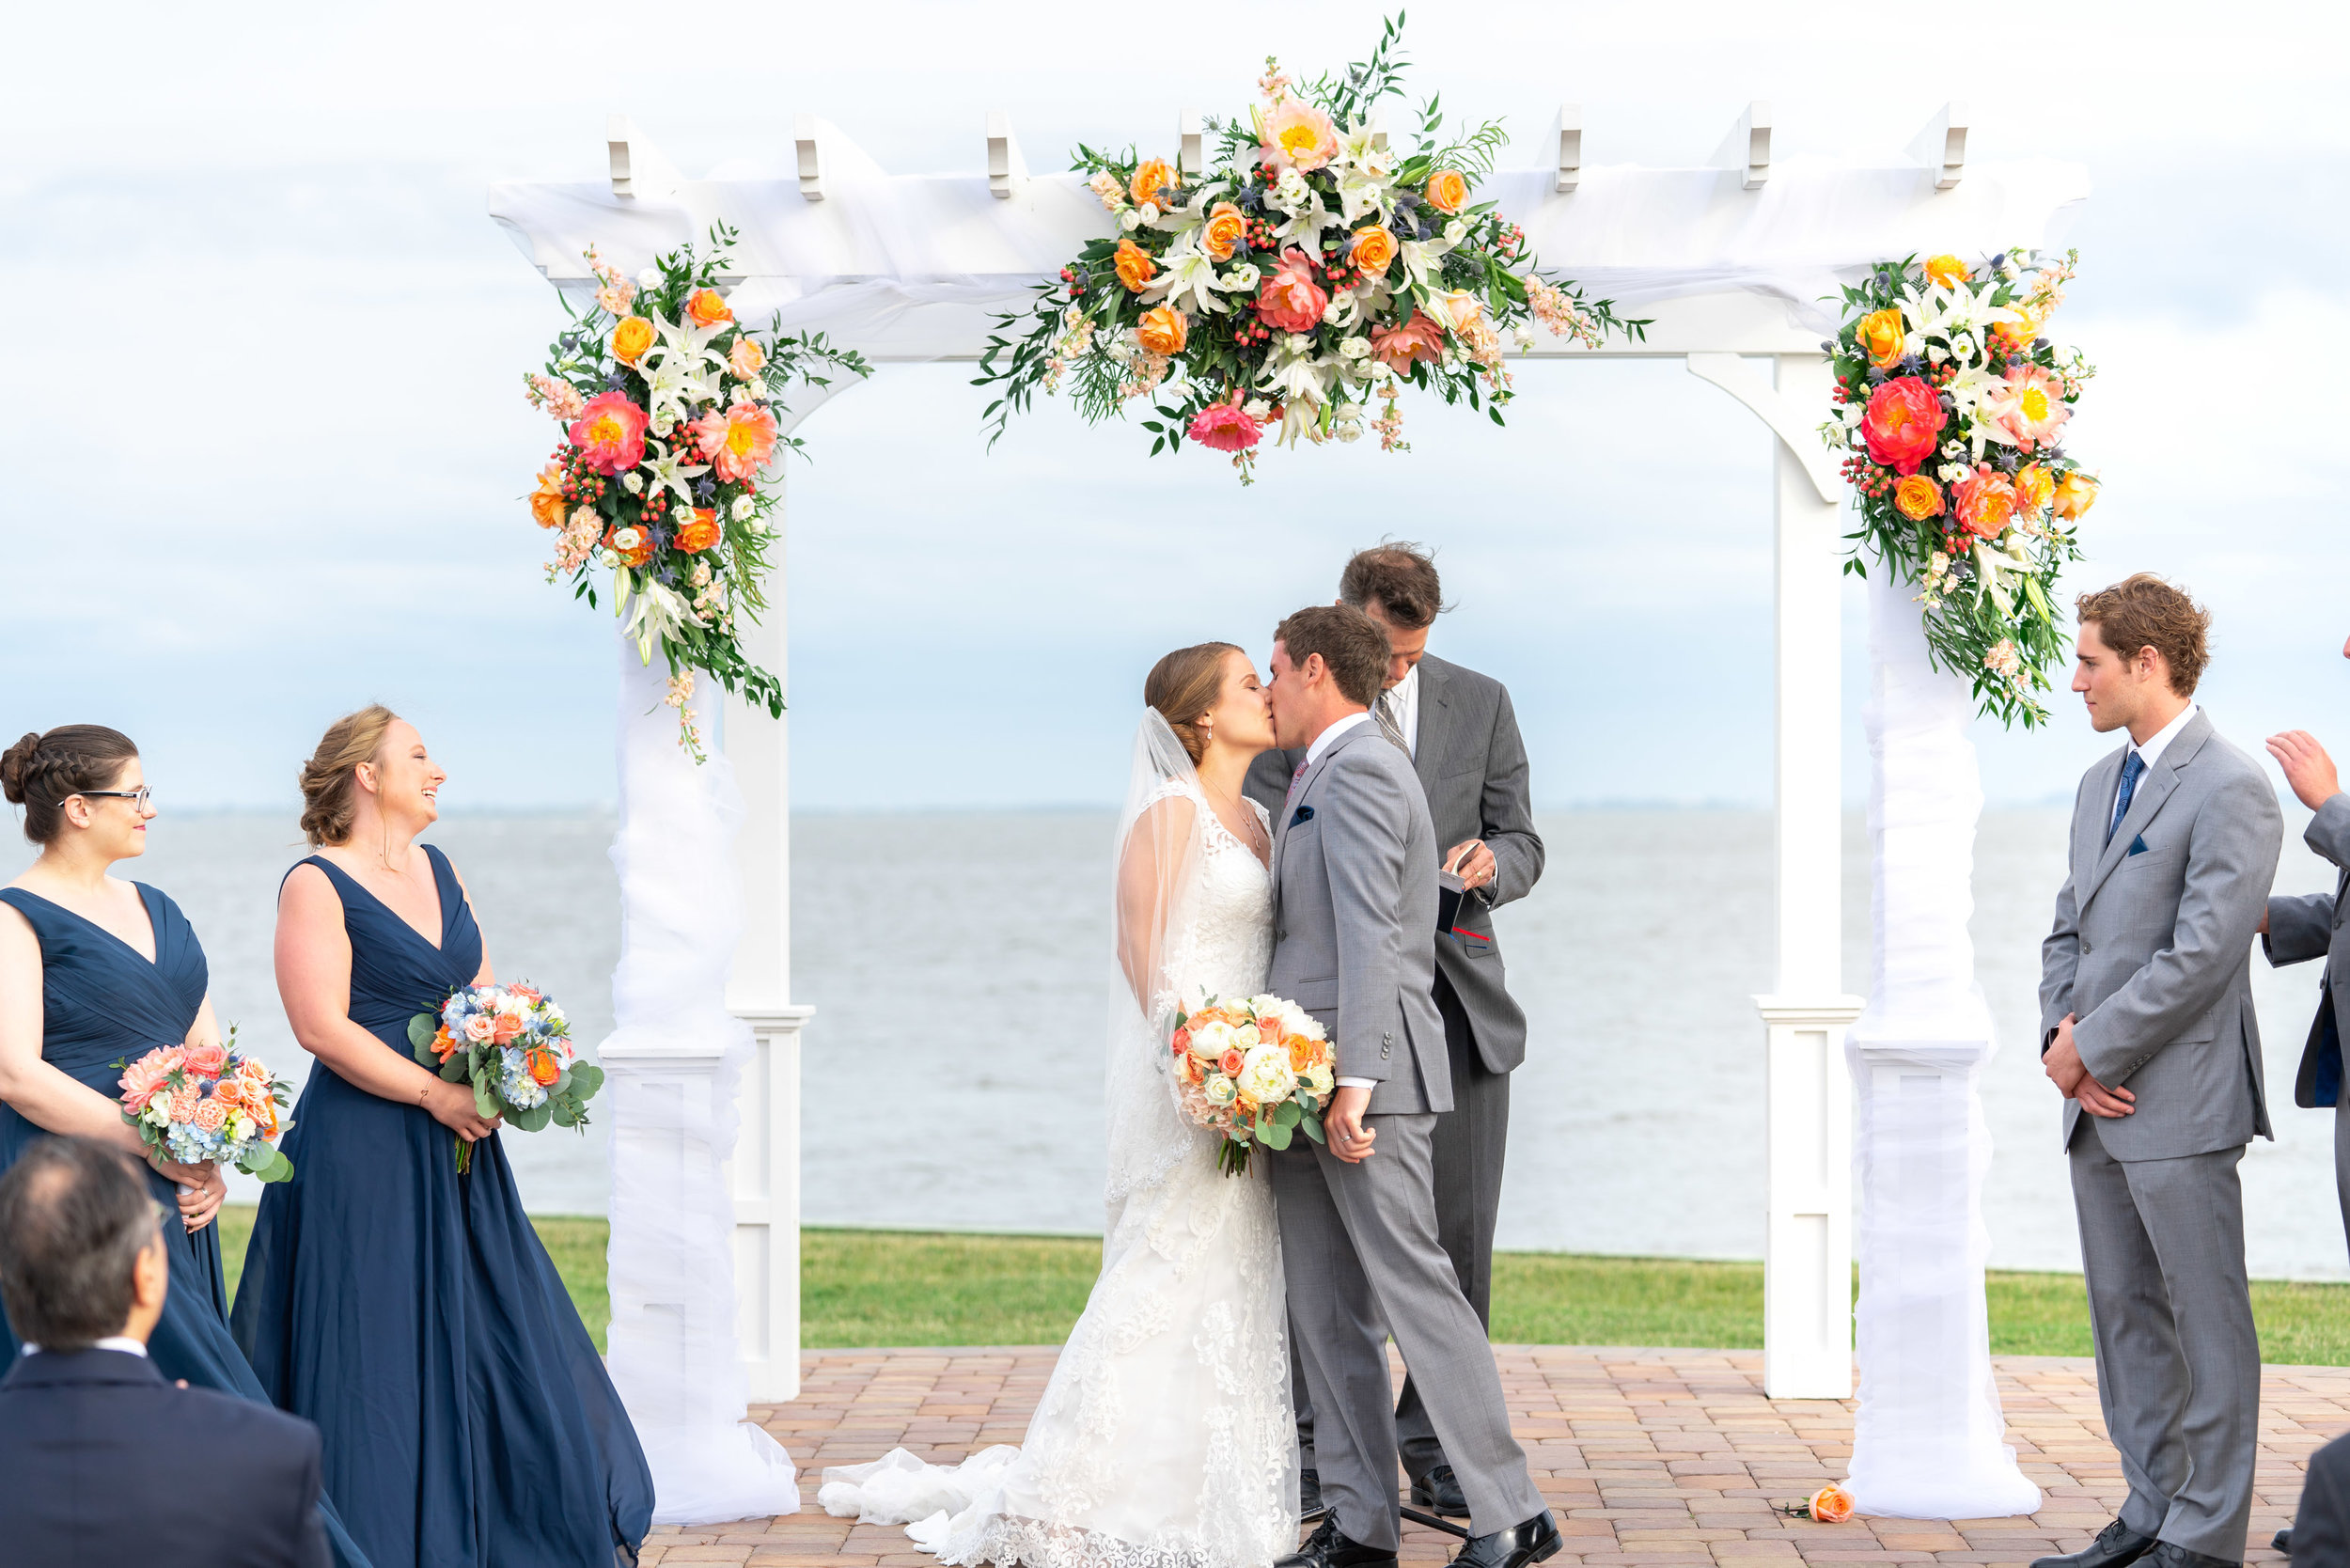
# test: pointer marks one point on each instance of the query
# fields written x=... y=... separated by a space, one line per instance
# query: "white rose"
x=1210 y=1039
x=1951 y=473
x=1964 y=346
x=1319 y=1079
x=1129 y=220
x=1348 y=432
x=1266 y=1077
x=1148 y=212
x=1218 y=1088
x=649 y=278
x=1954 y=450
x=744 y=507
x=1245 y=275
x=606 y=559
x=1455 y=231
x=1258 y=408
x=633 y=482
x=1354 y=347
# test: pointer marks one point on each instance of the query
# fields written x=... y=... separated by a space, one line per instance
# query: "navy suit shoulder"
x=81 y=1432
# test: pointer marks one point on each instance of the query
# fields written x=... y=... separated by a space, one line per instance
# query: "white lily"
x=1420 y=259
x=1307 y=221
x=1293 y=372
x=659 y=611
x=1187 y=280
x=667 y=471
x=1994 y=566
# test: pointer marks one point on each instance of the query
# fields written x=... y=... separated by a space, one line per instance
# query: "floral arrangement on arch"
x=1952 y=405
x=1312 y=273
x=668 y=407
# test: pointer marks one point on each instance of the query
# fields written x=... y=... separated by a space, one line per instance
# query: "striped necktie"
x=1384 y=710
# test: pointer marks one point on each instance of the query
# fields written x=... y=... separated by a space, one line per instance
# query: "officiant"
x=1462 y=737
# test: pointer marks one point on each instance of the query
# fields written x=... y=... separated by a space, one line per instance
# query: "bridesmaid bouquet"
x=1256 y=1071
x=514 y=1046
x=210 y=1102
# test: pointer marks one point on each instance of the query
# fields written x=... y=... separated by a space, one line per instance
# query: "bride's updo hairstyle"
x=328 y=787
x=40 y=771
x=1185 y=685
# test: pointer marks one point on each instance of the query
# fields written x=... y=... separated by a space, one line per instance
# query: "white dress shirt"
x=1402 y=700
x=122 y=1343
x=1313 y=755
x=2149 y=753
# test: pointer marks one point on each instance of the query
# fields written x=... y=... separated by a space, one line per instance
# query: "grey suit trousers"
x=2178 y=1359
x=1359 y=1251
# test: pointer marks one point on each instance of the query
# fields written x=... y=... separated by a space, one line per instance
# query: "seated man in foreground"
x=106 y=1461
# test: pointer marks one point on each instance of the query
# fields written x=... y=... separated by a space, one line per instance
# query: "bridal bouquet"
x=1952 y=407
x=210 y=1102
x=1312 y=272
x=514 y=1046
x=1256 y=1071
x=668 y=406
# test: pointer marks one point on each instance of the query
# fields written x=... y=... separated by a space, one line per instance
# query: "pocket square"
x=1304 y=814
x=2137 y=846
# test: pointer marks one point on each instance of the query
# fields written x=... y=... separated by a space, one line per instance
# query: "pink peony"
x=738 y=442
x=1903 y=424
x=208 y=1062
x=610 y=433
x=1226 y=427
x=2030 y=411
x=144 y=1079
x=1297 y=136
x=1290 y=301
x=1399 y=347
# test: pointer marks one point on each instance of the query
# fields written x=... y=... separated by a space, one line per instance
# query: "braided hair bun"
x=41 y=769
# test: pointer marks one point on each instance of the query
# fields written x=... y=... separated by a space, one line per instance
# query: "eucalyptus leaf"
x=1274 y=1135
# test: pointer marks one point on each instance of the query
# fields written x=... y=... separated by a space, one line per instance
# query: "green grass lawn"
x=861 y=1288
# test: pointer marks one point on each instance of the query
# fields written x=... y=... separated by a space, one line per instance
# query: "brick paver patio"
x=1649 y=1456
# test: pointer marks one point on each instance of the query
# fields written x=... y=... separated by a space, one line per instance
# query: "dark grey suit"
x=1355 y=917
x=1471 y=765
x=2152 y=952
x=2321 y=1525
x=2302 y=926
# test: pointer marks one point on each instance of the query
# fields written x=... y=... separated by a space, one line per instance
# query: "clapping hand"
x=2063 y=1062
x=2305 y=766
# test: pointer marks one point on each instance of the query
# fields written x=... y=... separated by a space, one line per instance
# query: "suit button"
x=1385 y=1052
x=1386 y=1040
x=1280 y=937
x=2084 y=947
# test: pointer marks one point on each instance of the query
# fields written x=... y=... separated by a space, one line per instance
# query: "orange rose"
x=2035 y=487
x=1917 y=498
x=1152 y=176
x=544 y=1069
x=631 y=339
x=700 y=530
x=633 y=544
x=1949 y=271
x=2075 y=494
x=1221 y=236
x=707 y=308
x=1447 y=191
x=1162 y=331
x=504 y=1031
x=1881 y=337
x=1371 y=251
x=1301 y=1052
x=2016 y=335
x=441 y=1044
x=546 y=502
x=1135 y=266
x=1831 y=1504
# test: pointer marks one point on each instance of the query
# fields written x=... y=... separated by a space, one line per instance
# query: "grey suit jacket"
x=1471 y=764
x=2303 y=926
x=2152 y=951
x=1355 y=920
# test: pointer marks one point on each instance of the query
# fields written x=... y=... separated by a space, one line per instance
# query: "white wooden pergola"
x=1730 y=261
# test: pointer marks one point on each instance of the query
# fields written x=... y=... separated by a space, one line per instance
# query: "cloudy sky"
x=265 y=342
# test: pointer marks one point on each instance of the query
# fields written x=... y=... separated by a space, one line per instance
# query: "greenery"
x=865 y=1288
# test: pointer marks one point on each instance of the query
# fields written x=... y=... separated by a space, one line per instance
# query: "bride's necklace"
x=1252 y=832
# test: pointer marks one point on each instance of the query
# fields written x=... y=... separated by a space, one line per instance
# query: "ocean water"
x=958 y=965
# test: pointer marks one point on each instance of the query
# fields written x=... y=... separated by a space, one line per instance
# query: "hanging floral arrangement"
x=669 y=411
x=1308 y=277
x=1952 y=406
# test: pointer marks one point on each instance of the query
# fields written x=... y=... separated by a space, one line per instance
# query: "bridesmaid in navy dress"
x=412 y=1312
x=95 y=971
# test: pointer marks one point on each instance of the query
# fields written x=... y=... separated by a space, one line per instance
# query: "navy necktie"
x=2132 y=766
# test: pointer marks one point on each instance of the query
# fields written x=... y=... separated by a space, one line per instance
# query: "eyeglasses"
x=137 y=797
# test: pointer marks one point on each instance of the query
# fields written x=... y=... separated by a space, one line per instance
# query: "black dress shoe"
x=2284 y=1542
x=1439 y=1492
x=1308 y=1494
x=1514 y=1547
x=1328 y=1548
x=2170 y=1554
x=2116 y=1546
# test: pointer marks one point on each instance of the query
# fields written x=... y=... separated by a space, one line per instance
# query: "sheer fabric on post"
x=1929 y=1440
x=1165 y=1438
x=674 y=1060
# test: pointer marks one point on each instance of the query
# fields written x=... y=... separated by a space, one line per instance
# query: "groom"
x=1355 y=921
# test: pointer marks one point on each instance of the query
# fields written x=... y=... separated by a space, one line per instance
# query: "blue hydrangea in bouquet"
x=513 y=1044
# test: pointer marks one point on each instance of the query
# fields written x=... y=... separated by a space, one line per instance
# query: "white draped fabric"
x=673 y=1060
x=913 y=267
x=1929 y=1439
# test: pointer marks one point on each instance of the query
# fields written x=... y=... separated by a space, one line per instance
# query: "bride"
x=1165 y=1437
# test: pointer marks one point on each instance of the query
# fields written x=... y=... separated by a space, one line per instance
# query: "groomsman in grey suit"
x=1462 y=737
x=2146 y=1003
x=1354 y=921
x=2302 y=926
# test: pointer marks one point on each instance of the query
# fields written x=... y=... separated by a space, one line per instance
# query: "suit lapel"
x=2158 y=784
x=1436 y=721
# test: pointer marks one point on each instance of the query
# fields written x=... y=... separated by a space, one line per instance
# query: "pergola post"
x=1807 y=1267
x=765 y=1173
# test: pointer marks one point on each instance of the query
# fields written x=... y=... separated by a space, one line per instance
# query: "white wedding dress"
x=1165 y=1438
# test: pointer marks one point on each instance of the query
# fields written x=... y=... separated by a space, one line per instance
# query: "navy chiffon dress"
x=102 y=1003
x=414 y=1314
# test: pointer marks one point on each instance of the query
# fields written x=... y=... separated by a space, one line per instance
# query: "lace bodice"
x=1226 y=947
